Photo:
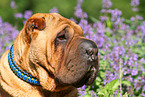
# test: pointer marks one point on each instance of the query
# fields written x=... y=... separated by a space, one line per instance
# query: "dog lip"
x=83 y=81
x=88 y=78
x=92 y=76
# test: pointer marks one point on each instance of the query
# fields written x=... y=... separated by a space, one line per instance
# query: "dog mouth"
x=88 y=78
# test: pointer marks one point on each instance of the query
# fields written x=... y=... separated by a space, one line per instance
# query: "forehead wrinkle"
x=59 y=20
x=55 y=22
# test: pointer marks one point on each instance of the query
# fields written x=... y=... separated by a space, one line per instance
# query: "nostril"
x=92 y=53
x=89 y=51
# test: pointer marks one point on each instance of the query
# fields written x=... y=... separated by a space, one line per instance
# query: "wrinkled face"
x=58 y=45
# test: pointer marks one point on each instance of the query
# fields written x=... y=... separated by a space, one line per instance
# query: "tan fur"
x=32 y=60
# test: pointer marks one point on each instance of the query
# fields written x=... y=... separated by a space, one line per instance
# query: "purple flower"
x=78 y=10
x=125 y=62
x=125 y=72
x=99 y=36
x=131 y=79
x=135 y=57
x=104 y=58
x=117 y=47
x=72 y=19
x=115 y=14
x=106 y=11
x=28 y=14
x=143 y=31
x=24 y=21
x=7 y=34
x=134 y=72
x=93 y=94
x=132 y=18
x=106 y=4
x=142 y=60
x=78 y=13
x=109 y=77
x=54 y=10
x=116 y=92
x=134 y=9
x=18 y=15
x=1 y=23
x=80 y=1
x=13 y=5
x=82 y=91
x=103 y=18
x=83 y=23
x=144 y=88
x=85 y=15
x=134 y=3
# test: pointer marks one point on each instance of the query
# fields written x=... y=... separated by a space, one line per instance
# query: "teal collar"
x=18 y=72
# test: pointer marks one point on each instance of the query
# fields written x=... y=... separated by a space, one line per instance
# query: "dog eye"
x=61 y=36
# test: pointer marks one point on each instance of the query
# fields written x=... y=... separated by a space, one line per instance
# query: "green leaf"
x=102 y=73
x=120 y=31
x=125 y=95
x=121 y=74
x=8 y=44
x=88 y=88
x=114 y=84
x=98 y=79
x=108 y=33
x=126 y=58
x=133 y=27
x=102 y=52
x=94 y=19
x=109 y=88
x=128 y=21
x=108 y=23
x=125 y=82
x=87 y=95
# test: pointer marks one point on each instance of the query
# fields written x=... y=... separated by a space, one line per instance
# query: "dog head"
x=58 y=50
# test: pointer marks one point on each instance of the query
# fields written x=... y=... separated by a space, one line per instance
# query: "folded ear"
x=32 y=26
x=35 y=23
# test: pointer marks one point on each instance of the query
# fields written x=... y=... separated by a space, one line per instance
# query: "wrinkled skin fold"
x=54 y=50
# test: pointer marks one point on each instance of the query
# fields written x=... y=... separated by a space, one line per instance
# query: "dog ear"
x=35 y=23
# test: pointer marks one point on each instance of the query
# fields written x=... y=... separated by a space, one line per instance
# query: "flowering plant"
x=121 y=44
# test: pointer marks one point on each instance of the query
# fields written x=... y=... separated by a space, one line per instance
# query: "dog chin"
x=88 y=79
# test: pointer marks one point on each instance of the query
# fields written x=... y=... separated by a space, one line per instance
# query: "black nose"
x=92 y=53
x=90 y=49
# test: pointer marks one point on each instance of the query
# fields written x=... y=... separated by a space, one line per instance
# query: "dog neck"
x=20 y=73
x=69 y=90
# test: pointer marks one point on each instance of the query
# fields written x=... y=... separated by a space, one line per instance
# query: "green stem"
x=121 y=75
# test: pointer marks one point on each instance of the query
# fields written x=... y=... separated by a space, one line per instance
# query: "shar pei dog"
x=49 y=58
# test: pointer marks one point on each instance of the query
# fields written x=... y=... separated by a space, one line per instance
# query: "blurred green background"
x=66 y=7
